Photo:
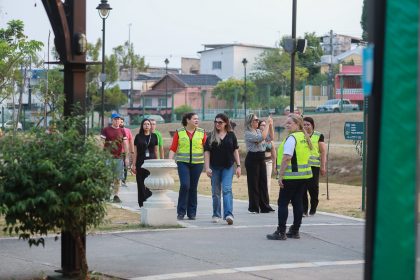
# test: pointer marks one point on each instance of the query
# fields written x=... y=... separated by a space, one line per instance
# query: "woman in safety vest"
x=188 y=145
x=318 y=162
x=294 y=172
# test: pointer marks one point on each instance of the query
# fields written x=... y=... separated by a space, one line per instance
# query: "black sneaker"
x=312 y=212
x=277 y=235
x=116 y=199
x=293 y=233
x=191 y=218
x=180 y=217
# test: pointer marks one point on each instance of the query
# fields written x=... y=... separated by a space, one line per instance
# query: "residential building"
x=174 y=90
x=225 y=60
x=350 y=76
x=190 y=65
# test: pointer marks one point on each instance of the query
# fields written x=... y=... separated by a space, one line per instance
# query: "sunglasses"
x=255 y=120
x=219 y=122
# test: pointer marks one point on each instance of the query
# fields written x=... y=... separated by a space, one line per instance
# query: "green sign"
x=353 y=130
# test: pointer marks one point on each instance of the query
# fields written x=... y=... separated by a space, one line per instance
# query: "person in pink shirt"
x=128 y=154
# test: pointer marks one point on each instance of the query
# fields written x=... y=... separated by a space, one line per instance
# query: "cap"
x=115 y=116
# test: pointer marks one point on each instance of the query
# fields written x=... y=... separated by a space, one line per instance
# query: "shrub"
x=53 y=182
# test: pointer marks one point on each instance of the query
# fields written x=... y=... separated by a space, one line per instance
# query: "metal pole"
x=166 y=86
x=304 y=97
x=131 y=68
x=103 y=76
x=245 y=90
x=235 y=102
x=292 y=59
x=365 y=138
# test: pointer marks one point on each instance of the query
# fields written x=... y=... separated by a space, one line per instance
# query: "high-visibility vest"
x=190 y=150
x=298 y=167
x=315 y=158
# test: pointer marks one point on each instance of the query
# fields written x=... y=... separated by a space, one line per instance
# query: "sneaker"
x=116 y=199
x=252 y=212
x=229 y=220
x=124 y=185
x=312 y=212
x=277 y=235
x=180 y=217
x=215 y=219
x=305 y=214
x=191 y=218
x=293 y=233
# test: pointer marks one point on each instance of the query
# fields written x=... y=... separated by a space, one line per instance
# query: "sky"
x=172 y=29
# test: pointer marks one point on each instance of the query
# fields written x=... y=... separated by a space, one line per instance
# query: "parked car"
x=157 y=118
x=334 y=105
x=11 y=125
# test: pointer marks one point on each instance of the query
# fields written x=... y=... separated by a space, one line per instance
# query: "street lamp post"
x=166 y=85
x=292 y=60
x=103 y=8
x=244 y=62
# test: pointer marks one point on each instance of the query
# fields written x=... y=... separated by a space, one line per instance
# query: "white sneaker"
x=215 y=219
x=229 y=220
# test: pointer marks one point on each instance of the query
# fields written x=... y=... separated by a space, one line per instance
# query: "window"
x=162 y=102
x=217 y=65
x=147 y=102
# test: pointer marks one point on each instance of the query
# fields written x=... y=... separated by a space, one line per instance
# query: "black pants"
x=313 y=189
x=143 y=193
x=256 y=175
x=291 y=192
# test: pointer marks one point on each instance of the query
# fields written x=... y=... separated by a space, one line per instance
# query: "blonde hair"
x=248 y=122
x=297 y=119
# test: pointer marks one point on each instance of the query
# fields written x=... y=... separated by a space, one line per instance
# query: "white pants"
x=269 y=168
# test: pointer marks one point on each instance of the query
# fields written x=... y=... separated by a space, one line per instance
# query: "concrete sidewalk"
x=331 y=247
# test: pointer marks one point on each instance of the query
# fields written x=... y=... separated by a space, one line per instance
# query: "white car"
x=334 y=105
x=11 y=125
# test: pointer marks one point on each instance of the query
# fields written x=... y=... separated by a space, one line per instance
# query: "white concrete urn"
x=159 y=209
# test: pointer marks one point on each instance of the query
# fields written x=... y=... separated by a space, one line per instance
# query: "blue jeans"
x=189 y=174
x=221 y=180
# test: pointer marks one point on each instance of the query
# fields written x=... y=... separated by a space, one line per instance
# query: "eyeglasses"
x=219 y=122
x=255 y=120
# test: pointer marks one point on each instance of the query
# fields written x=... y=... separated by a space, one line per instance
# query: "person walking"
x=161 y=154
x=318 y=163
x=127 y=154
x=270 y=153
x=221 y=151
x=146 y=144
x=255 y=165
x=115 y=141
x=188 y=146
x=294 y=172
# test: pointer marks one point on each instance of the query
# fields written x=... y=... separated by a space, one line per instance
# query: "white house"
x=225 y=60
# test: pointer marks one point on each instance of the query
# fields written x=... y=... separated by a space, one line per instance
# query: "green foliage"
x=52 y=182
x=15 y=49
x=363 y=21
x=55 y=96
x=181 y=110
x=226 y=90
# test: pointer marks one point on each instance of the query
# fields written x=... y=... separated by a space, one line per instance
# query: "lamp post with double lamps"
x=244 y=62
x=103 y=8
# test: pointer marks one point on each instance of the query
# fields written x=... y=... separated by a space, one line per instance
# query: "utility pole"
x=330 y=74
x=130 y=52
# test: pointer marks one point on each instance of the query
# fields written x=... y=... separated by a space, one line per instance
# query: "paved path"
x=331 y=247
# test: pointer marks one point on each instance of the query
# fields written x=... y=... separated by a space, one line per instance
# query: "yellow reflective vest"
x=298 y=167
x=190 y=150
x=315 y=158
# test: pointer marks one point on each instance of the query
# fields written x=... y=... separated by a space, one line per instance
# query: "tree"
x=226 y=90
x=15 y=49
x=53 y=182
x=363 y=21
x=126 y=58
x=113 y=96
x=311 y=58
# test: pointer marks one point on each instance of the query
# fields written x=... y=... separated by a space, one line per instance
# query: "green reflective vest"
x=315 y=158
x=298 y=167
x=190 y=150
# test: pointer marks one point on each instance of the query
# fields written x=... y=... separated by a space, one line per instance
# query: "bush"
x=53 y=182
x=181 y=110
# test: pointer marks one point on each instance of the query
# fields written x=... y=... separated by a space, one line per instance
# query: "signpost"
x=353 y=130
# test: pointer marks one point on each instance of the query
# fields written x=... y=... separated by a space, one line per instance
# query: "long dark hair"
x=214 y=137
x=141 y=131
x=187 y=116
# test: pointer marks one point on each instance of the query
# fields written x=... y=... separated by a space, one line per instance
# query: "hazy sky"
x=175 y=29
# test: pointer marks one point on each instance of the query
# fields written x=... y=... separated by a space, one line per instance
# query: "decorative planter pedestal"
x=159 y=209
